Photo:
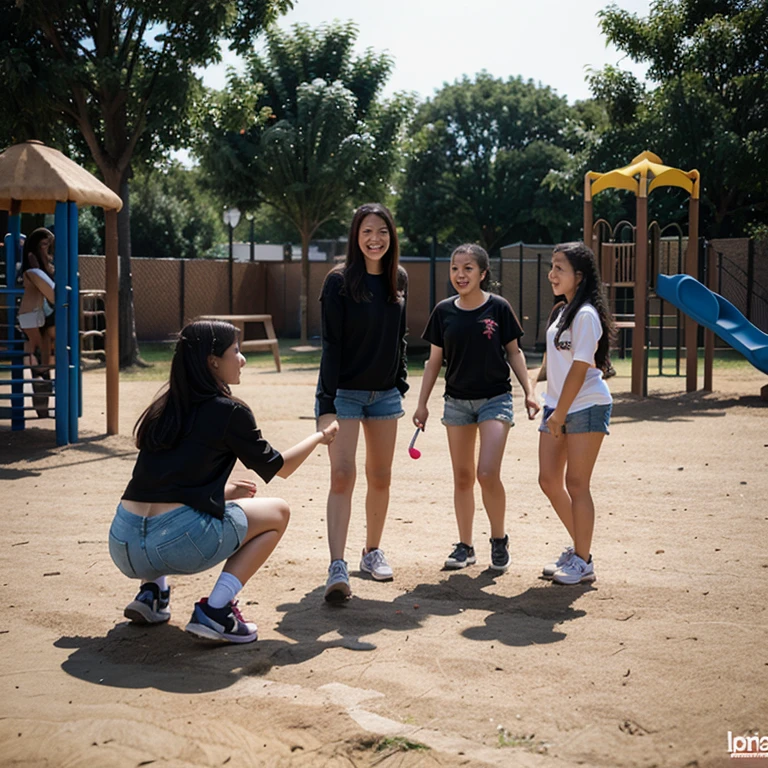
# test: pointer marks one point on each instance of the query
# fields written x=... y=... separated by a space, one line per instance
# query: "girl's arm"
x=516 y=359
x=43 y=284
x=431 y=372
x=571 y=386
x=294 y=457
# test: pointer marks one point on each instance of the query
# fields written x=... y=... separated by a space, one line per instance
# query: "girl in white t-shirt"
x=577 y=403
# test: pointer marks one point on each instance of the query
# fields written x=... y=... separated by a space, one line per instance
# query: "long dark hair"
x=31 y=244
x=590 y=290
x=480 y=255
x=191 y=382
x=353 y=270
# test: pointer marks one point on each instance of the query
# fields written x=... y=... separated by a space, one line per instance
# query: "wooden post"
x=111 y=337
x=588 y=214
x=639 y=377
x=691 y=268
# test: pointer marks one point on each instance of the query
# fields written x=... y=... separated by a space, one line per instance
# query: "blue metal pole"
x=61 y=292
x=75 y=395
x=17 y=387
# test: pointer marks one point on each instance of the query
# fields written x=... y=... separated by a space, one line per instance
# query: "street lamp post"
x=231 y=219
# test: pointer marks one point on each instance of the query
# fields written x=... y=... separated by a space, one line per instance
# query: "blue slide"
x=716 y=313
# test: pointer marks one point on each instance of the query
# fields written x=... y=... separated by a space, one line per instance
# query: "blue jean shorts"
x=460 y=413
x=364 y=405
x=182 y=540
x=596 y=418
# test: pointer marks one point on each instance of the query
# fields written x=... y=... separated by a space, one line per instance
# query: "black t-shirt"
x=363 y=341
x=473 y=343
x=194 y=472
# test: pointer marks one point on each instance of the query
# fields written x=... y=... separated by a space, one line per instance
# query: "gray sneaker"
x=575 y=571
x=549 y=569
x=337 y=588
x=376 y=564
x=150 y=605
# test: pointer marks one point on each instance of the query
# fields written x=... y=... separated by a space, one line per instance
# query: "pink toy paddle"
x=414 y=453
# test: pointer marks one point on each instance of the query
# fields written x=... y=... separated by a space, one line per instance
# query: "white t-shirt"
x=578 y=342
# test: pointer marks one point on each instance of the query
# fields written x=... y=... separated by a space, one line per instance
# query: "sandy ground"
x=653 y=666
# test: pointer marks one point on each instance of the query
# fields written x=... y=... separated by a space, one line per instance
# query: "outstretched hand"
x=329 y=433
x=239 y=489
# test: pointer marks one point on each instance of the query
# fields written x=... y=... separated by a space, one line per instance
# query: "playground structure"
x=38 y=179
x=626 y=266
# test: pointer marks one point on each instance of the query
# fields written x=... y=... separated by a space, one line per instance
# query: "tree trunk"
x=304 y=294
x=129 y=345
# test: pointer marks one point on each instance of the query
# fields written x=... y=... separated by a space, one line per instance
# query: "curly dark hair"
x=590 y=290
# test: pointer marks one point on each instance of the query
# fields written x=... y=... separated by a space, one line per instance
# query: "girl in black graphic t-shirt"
x=362 y=381
x=476 y=333
x=180 y=513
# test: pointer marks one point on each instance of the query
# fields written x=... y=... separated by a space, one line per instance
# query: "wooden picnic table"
x=240 y=321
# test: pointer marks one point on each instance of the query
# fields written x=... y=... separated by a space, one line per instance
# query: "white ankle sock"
x=162 y=583
x=224 y=591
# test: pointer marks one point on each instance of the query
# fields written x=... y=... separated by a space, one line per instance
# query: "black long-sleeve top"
x=217 y=432
x=363 y=342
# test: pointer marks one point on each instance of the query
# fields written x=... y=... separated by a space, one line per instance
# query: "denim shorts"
x=460 y=413
x=182 y=540
x=365 y=405
x=596 y=418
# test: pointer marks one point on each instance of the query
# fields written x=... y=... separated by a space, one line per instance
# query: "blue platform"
x=716 y=313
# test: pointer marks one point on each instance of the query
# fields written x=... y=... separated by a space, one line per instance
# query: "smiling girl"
x=362 y=380
x=180 y=514
x=577 y=404
x=477 y=334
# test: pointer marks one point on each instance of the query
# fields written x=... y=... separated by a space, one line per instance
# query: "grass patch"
x=393 y=744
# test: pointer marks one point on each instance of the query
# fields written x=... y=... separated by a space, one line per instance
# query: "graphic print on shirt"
x=490 y=327
x=564 y=342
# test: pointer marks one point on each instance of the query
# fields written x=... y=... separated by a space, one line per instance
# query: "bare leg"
x=552 y=458
x=343 y=474
x=461 y=444
x=582 y=452
x=493 y=439
x=267 y=520
x=380 y=436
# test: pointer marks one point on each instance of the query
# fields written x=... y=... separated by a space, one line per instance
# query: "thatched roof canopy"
x=37 y=177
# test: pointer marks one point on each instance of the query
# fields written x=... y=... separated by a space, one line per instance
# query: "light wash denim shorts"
x=182 y=540
x=596 y=418
x=365 y=405
x=460 y=413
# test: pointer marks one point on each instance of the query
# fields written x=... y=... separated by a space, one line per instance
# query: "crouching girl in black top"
x=179 y=514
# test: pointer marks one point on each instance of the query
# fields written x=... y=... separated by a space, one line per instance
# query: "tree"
x=171 y=214
x=119 y=76
x=302 y=132
x=478 y=153
x=707 y=107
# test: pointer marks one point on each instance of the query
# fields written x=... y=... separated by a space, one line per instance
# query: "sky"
x=552 y=42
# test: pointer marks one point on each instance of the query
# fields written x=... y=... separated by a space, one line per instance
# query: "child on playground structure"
x=36 y=312
x=477 y=333
x=179 y=514
x=362 y=380
x=577 y=403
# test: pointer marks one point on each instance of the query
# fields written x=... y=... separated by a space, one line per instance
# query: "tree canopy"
x=706 y=107
x=478 y=153
x=116 y=78
x=303 y=131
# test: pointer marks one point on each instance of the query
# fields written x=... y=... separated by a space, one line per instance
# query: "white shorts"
x=33 y=319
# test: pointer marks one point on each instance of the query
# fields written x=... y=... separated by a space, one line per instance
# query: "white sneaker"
x=575 y=571
x=376 y=564
x=549 y=569
x=337 y=587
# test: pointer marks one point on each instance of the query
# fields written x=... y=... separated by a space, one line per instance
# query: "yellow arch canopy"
x=645 y=173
